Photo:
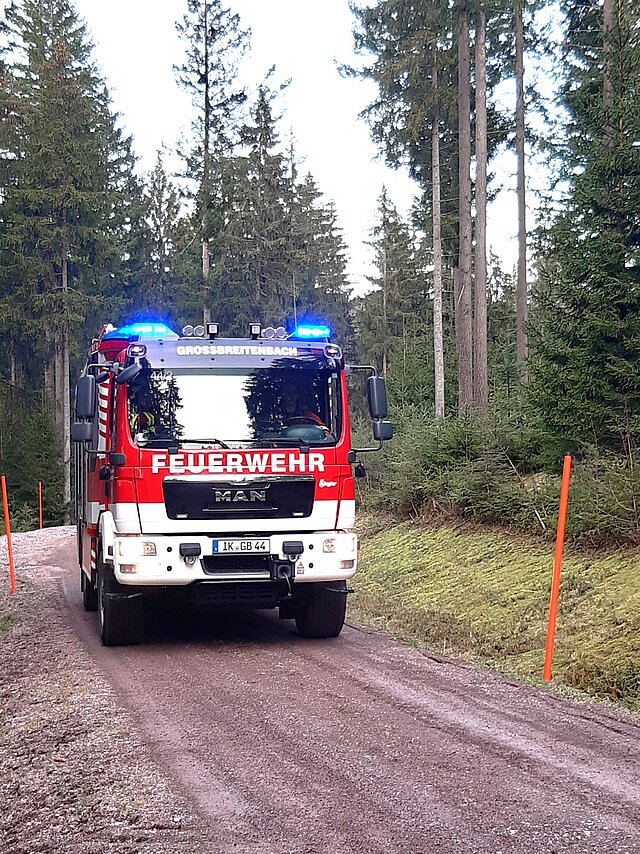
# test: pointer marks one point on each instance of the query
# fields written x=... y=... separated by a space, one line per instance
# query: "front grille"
x=218 y=564
x=267 y=497
x=244 y=594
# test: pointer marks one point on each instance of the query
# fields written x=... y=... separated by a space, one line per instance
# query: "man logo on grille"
x=232 y=496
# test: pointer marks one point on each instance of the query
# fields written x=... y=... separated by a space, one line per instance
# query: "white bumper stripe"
x=154 y=520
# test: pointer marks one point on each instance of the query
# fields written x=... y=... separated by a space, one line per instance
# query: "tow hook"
x=285 y=573
x=285 y=570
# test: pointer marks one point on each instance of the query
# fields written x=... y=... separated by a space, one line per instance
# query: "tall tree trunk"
x=206 y=189
x=66 y=397
x=49 y=387
x=206 y=308
x=611 y=194
x=521 y=286
x=480 y=373
x=607 y=87
x=13 y=365
x=438 y=350
x=464 y=332
x=385 y=322
x=58 y=381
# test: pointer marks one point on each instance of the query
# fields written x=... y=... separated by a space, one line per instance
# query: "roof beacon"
x=141 y=330
x=313 y=332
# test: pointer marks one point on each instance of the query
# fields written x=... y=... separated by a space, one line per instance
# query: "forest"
x=493 y=374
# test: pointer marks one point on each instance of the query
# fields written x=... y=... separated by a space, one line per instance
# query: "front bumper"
x=326 y=556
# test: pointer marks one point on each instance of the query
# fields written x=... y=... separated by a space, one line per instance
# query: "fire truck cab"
x=217 y=471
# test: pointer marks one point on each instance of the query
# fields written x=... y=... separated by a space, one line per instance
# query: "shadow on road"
x=164 y=624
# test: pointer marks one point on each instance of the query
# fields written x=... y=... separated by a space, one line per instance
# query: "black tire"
x=120 y=619
x=89 y=592
x=321 y=608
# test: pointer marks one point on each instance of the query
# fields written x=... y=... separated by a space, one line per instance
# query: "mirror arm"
x=370 y=368
x=355 y=451
x=103 y=366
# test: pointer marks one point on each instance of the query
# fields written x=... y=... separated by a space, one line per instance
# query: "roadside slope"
x=484 y=595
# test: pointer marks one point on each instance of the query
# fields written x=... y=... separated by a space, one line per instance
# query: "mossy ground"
x=484 y=595
x=5 y=622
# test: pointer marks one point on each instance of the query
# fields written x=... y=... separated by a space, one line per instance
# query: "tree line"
x=84 y=239
x=543 y=357
x=526 y=365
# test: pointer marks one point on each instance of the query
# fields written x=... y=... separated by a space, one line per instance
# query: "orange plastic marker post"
x=7 y=528
x=557 y=564
x=40 y=504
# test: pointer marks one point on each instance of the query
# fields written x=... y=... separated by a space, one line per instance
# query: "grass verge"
x=484 y=595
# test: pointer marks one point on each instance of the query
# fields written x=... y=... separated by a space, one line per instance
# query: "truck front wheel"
x=120 y=615
x=320 y=608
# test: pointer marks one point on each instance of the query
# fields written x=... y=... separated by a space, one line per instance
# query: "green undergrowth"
x=5 y=622
x=484 y=595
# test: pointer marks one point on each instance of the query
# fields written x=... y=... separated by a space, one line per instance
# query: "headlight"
x=136 y=548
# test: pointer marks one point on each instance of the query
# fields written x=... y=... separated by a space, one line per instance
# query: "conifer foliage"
x=239 y=235
x=215 y=41
x=282 y=256
x=59 y=194
x=586 y=367
x=242 y=235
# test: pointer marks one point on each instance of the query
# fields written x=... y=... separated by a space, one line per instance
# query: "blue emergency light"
x=140 y=330
x=312 y=332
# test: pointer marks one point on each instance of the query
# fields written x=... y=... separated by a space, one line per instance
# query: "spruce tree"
x=215 y=42
x=252 y=276
x=318 y=259
x=393 y=320
x=57 y=203
x=162 y=291
x=412 y=51
x=586 y=334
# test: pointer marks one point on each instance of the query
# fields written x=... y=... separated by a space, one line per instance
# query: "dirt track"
x=260 y=741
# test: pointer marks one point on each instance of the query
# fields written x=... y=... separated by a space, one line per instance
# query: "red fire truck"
x=217 y=471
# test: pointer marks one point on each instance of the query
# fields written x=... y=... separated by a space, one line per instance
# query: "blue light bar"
x=140 y=330
x=312 y=332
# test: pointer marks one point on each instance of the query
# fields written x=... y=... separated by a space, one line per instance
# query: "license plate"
x=243 y=546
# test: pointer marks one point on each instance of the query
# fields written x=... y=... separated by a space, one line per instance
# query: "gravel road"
x=233 y=734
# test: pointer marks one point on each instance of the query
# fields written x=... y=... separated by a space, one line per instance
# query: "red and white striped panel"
x=103 y=414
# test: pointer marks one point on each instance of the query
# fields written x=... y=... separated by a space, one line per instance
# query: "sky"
x=136 y=46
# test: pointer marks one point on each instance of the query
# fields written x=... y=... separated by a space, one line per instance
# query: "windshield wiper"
x=158 y=441
x=204 y=442
x=287 y=442
x=173 y=442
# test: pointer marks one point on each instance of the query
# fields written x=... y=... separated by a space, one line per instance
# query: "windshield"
x=235 y=406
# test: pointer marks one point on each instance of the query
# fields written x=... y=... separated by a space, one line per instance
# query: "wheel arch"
x=107 y=529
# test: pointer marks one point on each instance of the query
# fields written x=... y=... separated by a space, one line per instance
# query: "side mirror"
x=86 y=397
x=382 y=431
x=377 y=398
x=128 y=374
x=116 y=459
x=81 y=431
